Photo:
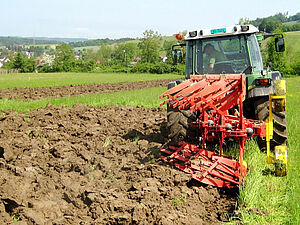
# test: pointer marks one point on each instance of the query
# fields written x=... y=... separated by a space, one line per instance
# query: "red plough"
x=212 y=97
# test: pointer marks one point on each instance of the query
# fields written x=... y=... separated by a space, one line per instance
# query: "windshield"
x=218 y=55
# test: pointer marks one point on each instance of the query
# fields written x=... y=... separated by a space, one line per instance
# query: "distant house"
x=29 y=54
x=53 y=47
x=47 y=59
x=3 y=60
x=164 y=58
x=40 y=62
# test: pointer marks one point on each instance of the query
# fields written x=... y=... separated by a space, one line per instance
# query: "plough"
x=217 y=100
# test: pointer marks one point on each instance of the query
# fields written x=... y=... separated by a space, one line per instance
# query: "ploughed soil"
x=97 y=165
x=75 y=90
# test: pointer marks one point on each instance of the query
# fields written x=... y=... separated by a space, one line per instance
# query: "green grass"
x=144 y=97
x=279 y=197
x=60 y=79
x=293 y=115
x=292 y=45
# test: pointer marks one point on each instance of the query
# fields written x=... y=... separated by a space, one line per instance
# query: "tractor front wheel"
x=178 y=124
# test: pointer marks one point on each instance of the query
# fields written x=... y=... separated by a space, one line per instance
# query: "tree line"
x=278 y=21
x=99 y=42
x=142 y=56
x=11 y=41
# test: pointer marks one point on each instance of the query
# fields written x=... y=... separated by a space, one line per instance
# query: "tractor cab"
x=229 y=50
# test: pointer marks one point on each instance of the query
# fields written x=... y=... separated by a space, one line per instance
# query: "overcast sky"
x=128 y=18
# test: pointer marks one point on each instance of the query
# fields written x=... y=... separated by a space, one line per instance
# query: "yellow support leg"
x=280 y=160
x=279 y=101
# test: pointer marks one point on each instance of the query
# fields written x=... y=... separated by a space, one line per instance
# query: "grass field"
x=143 y=97
x=265 y=199
x=293 y=44
x=59 y=79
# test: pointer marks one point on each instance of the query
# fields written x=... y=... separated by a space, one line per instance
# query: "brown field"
x=76 y=90
x=97 y=165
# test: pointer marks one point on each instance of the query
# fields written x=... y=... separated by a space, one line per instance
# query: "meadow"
x=293 y=45
x=23 y=80
x=265 y=199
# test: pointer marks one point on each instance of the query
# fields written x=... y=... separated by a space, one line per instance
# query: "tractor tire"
x=178 y=125
x=280 y=134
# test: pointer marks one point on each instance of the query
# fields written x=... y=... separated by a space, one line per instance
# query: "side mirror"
x=177 y=56
x=177 y=53
x=279 y=44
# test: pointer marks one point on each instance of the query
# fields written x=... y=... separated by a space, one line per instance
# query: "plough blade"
x=205 y=166
x=194 y=93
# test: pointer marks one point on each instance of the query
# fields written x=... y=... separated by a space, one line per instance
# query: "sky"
x=128 y=18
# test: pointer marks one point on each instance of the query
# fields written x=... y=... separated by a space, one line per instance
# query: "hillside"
x=278 y=21
x=8 y=41
x=99 y=42
x=65 y=40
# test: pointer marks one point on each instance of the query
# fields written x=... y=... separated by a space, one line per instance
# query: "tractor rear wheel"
x=280 y=134
x=178 y=124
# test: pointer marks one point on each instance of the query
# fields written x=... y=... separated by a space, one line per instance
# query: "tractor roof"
x=225 y=31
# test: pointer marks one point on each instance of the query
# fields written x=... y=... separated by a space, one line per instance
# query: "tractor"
x=228 y=94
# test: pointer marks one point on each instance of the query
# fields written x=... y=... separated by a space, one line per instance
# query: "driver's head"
x=208 y=49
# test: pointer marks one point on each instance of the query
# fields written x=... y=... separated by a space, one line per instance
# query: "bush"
x=158 y=68
x=179 y=69
x=117 y=68
x=141 y=68
x=46 y=69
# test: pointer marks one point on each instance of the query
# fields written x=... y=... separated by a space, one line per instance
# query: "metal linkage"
x=212 y=96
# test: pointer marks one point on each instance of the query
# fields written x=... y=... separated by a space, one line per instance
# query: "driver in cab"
x=214 y=56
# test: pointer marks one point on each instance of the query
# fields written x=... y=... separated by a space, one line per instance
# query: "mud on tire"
x=280 y=134
x=178 y=125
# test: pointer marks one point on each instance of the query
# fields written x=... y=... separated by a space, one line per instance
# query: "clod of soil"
x=75 y=90
x=97 y=165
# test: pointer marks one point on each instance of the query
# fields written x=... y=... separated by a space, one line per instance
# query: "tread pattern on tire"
x=280 y=134
x=178 y=124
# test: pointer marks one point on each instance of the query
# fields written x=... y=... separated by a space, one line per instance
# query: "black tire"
x=178 y=125
x=280 y=134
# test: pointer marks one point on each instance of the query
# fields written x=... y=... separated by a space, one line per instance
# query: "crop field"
x=71 y=156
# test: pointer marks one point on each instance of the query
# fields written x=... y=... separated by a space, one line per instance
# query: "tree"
x=22 y=63
x=149 y=46
x=125 y=52
x=269 y=25
x=278 y=59
x=65 y=58
x=30 y=65
x=18 y=61
x=245 y=21
x=103 y=54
